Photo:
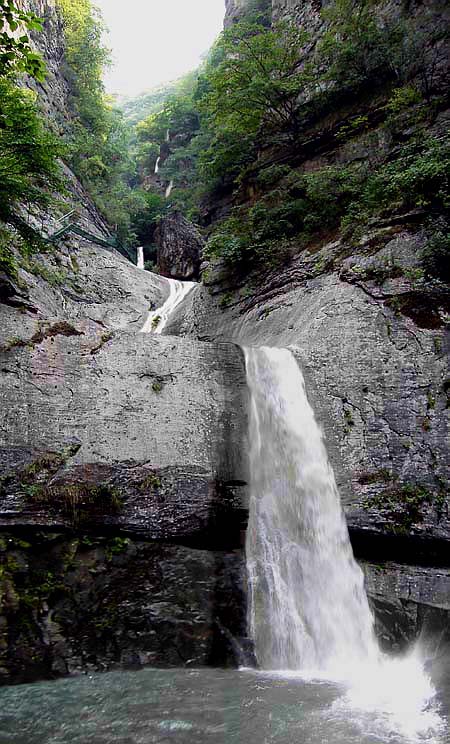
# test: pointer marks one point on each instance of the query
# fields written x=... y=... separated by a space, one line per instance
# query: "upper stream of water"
x=158 y=318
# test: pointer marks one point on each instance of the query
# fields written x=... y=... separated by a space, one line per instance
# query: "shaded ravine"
x=309 y=612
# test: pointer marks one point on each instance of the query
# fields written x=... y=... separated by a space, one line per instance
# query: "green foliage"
x=264 y=86
x=402 y=505
x=16 y=52
x=149 y=208
x=116 y=546
x=8 y=263
x=402 y=98
x=258 y=80
x=419 y=177
x=141 y=107
x=301 y=205
x=436 y=255
x=99 y=148
x=29 y=169
x=356 y=48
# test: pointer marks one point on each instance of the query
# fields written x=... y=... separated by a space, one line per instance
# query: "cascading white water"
x=169 y=189
x=140 y=257
x=158 y=318
x=158 y=160
x=308 y=610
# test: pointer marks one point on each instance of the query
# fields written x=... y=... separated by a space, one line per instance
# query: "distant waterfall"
x=309 y=609
x=158 y=160
x=168 y=135
x=158 y=318
x=169 y=189
x=140 y=257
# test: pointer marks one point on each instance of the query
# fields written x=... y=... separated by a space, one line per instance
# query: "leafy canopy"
x=255 y=80
x=16 y=52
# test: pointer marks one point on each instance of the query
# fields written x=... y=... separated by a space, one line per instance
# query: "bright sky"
x=154 y=41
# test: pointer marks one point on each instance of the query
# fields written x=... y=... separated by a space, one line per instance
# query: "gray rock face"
x=116 y=438
x=136 y=432
x=54 y=91
x=234 y=10
x=180 y=247
x=409 y=602
x=376 y=376
x=373 y=347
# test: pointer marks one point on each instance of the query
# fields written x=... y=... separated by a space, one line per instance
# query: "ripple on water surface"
x=190 y=707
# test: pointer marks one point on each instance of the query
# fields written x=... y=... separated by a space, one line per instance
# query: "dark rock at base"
x=72 y=604
x=409 y=603
x=180 y=247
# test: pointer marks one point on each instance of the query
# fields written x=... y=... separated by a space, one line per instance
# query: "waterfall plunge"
x=309 y=612
x=140 y=257
x=309 y=609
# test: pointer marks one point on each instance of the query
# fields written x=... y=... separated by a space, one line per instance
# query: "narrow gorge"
x=224 y=425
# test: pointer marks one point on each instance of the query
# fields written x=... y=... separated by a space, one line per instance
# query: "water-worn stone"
x=409 y=602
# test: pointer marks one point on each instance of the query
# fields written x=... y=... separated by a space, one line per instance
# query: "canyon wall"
x=123 y=456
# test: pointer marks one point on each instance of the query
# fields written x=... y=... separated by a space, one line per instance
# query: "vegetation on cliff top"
x=97 y=144
x=242 y=126
x=262 y=95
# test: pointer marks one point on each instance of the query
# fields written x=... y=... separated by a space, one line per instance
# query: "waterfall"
x=158 y=159
x=308 y=610
x=168 y=135
x=140 y=257
x=157 y=319
x=169 y=189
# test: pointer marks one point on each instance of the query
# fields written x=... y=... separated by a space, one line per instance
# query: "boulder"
x=180 y=247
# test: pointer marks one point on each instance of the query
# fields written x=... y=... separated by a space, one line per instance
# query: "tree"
x=16 y=53
x=255 y=87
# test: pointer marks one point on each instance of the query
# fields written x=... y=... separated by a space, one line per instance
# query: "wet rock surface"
x=132 y=431
x=122 y=461
x=409 y=602
x=376 y=371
